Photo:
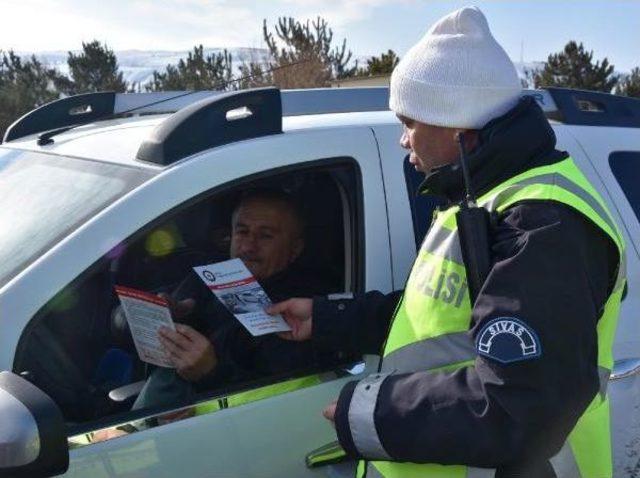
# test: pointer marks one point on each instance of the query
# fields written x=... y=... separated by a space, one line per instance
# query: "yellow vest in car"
x=430 y=327
x=260 y=393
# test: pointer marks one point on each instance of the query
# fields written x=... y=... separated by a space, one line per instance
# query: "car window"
x=626 y=169
x=78 y=348
x=44 y=197
x=422 y=205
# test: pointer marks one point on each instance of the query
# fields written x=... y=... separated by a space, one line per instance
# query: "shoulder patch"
x=507 y=340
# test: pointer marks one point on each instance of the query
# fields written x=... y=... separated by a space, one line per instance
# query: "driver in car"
x=267 y=233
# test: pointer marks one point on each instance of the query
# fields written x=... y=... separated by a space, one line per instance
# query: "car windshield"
x=44 y=197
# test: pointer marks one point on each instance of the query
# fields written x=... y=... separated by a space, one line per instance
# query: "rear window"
x=44 y=197
x=625 y=166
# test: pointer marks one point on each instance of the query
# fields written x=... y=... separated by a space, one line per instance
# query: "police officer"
x=514 y=384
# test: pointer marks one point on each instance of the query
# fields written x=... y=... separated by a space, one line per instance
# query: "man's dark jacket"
x=241 y=356
x=551 y=268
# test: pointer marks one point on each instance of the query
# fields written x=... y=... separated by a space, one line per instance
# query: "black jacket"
x=241 y=356
x=551 y=268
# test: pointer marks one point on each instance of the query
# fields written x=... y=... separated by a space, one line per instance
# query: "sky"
x=528 y=30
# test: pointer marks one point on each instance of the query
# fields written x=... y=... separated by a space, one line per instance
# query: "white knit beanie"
x=456 y=76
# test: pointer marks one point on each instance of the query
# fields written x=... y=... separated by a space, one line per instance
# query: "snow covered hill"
x=138 y=65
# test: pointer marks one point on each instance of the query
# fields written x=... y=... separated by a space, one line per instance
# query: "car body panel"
x=243 y=435
x=266 y=438
x=596 y=144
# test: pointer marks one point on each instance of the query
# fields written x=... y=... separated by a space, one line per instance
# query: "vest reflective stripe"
x=445 y=244
x=622 y=274
x=564 y=463
x=449 y=349
x=430 y=326
x=562 y=182
x=361 y=417
x=603 y=376
x=431 y=353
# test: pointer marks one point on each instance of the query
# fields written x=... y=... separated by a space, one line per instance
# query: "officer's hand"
x=330 y=412
x=179 y=308
x=297 y=313
x=191 y=352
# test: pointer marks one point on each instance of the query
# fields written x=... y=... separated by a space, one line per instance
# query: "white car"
x=112 y=189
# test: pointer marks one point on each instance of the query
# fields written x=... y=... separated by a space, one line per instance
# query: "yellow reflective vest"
x=430 y=328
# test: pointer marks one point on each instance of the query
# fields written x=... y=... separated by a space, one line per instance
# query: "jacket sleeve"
x=552 y=271
x=355 y=325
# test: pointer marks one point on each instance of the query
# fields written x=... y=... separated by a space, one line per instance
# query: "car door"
x=611 y=159
x=267 y=434
x=410 y=213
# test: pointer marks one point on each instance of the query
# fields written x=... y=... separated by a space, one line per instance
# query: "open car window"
x=84 y=348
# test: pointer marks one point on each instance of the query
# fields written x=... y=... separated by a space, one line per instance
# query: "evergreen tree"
x=254 y=74
x=380 y=65
x=302 y=55
x=197 y=72
x=629 y=85
x=94 y=69
x=574 y=68
x=24 y=85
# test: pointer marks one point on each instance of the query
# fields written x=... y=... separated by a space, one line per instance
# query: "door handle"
x=625 y=368
x=329 y=454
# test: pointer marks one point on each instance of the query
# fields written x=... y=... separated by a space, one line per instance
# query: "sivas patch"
x=507 y=340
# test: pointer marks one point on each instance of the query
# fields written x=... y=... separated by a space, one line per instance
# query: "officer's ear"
x=471 y=137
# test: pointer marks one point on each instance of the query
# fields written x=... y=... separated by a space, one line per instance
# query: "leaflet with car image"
x=146 y=313
x=233 y=284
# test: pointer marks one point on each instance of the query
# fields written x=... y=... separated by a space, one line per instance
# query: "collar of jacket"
x=296 y=280
x=508 y=145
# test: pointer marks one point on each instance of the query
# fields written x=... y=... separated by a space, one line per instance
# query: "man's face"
x=430 y=146
x=264 y=236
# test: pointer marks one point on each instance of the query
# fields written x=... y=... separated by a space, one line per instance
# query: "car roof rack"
x=294 y=102
x=90 y=107
x=61 y=113
x=221 y=119
x=592 y=108
x=564 y=105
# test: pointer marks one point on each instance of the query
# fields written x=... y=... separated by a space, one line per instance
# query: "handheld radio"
x=473 y=227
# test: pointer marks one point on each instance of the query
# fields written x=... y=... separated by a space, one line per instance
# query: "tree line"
x=299 y=55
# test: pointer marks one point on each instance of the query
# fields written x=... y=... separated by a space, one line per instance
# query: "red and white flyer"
x=233 y=284
x=146 y=313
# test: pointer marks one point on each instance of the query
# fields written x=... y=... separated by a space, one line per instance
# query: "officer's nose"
x=404 y=140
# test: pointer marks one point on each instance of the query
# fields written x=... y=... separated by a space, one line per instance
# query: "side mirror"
x=33 y=439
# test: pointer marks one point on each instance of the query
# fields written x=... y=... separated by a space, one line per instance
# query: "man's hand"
x=330 y=412
x=297 y=313
x=179 y=308
x=191 y=352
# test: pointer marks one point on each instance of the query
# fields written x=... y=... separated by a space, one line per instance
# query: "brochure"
x=146 y=313
x=233 y=284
